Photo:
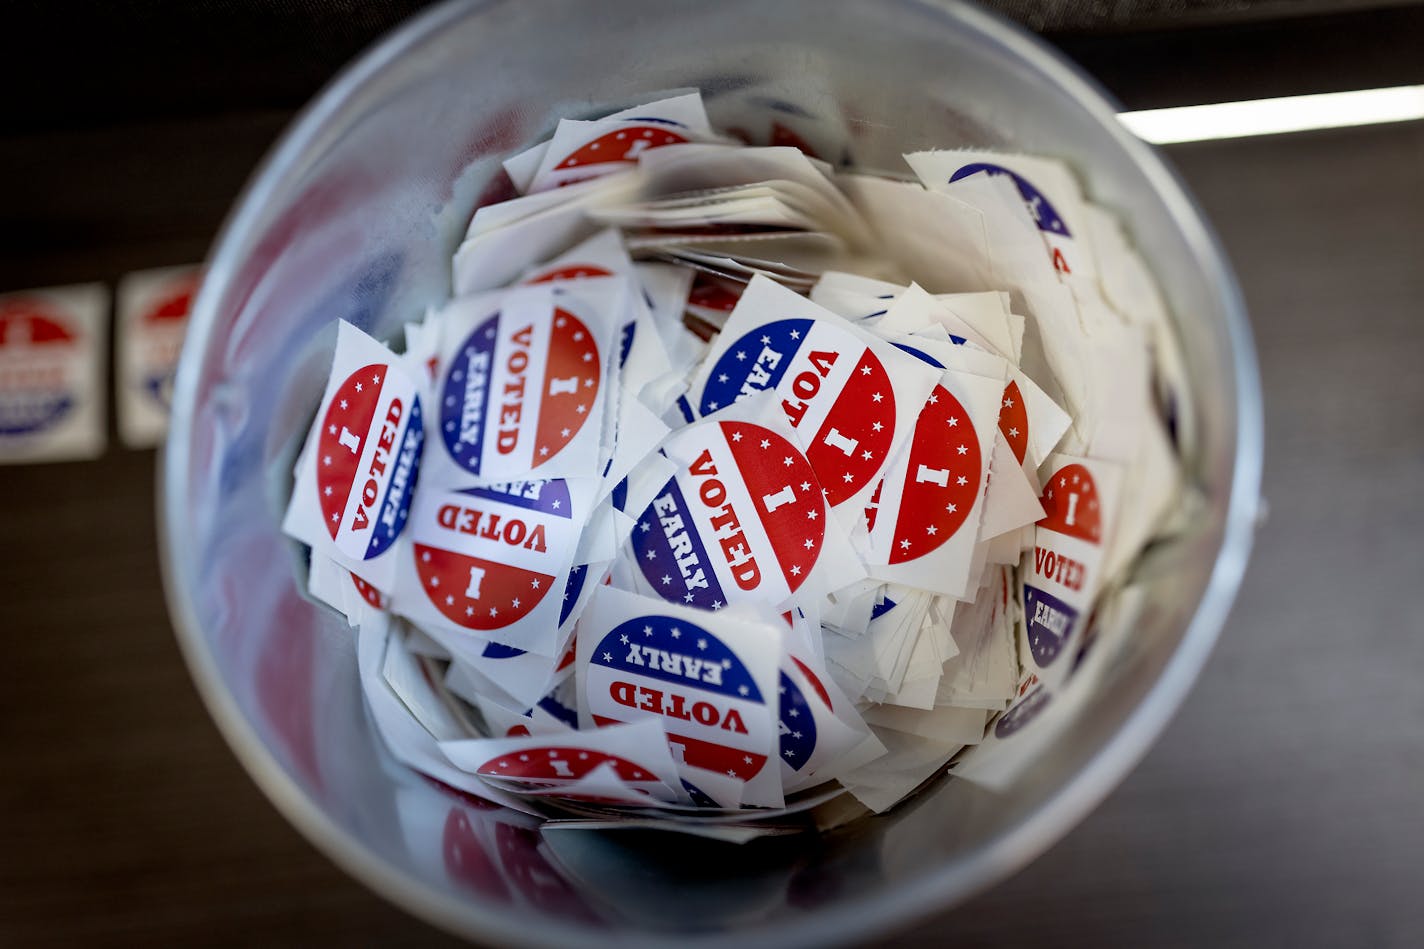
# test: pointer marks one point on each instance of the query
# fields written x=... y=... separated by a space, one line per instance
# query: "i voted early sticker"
x=523 y=379
x=1062 y=572
x=850 y=397
x=357 y=476
x=494 y=560
x=710 y=683
x=742 y=520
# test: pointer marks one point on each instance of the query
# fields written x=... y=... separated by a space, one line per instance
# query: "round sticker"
x=1044 y=214
x=163 y=327
x=1070 y=504
x=834 y=390
x=1013 y=421
x=624 y=144
x=362 y=490
x=519 y=392
x=797 y=724
x=37 y=367
x=943 y=481
x=557 y=763
x=714 y=714
x=1021 y=714
x=744 y=520
x=477 y=586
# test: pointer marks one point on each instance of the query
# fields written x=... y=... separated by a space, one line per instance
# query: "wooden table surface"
x=1281 y=806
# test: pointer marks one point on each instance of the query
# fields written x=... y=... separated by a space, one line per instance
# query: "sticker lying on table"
x=494 y=560
x=152 y=319
x=52 y=374
x=1061 y=573
x=710 y=680
x=743 y=520
x=523 y=379
x=851 y=398
x=357 y=475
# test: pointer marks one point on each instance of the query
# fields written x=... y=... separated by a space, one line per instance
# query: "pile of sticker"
x=742 y=481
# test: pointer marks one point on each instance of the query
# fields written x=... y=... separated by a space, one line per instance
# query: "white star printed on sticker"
x=469 y=611
x=1013 y=433
x=327 y=491
x=766 y=340
x=865 y=370
x=608 y=657
x=425 y=556
x=961 y=480
x=805 y=486
x=876 y=397
x=588 y=357
x=1008 y=403
x=1063 y=482
x=726 y=663
x=449 y=600
x=793 y=713
x=580 y=409
x=866 y=455
x=652 y=555
x=746 y=759
x=731 y=773
x=905 y=544
x=645 y=527
x=515 y=603
x=736 y=436
x=811 y=515
x=808 y=543
x=795 y=734
x=721 y=377
x=543 y=449
x=494 y=611
x=847 y=478
x=331 y=429
x=676 y=633
x=534 y=584
x=876 y=426
x=716 y=604
x=376 y=379
x=564 y=432
x=578 y=335
x=742 y=690
x=765 y=443
x=666 y=579
x=326 y=460
x=789 y=752
x=561 y=321
x=796 y=570
x=741 y=355
x=1050 y=492
x=932 y=530
x=358 y=387
x=1075 y=479
x=647 y=631
x=933 y=399
x=950 y=508
x=963 y=449
x=702 y=644
x=786 y=461
x=588 y=383
x=558 y=503
x=335 y=518
x=435 y=581
x=713 y=406
x=795 y=334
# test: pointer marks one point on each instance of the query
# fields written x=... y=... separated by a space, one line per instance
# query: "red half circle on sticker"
x=570 y=272
x=31 y=321
x=572 y=377
x=622 y=144
x=556 y=763
x=1071 y=504
x=851 y=446
x=785 y=493
x=344 y=428
x=813 y=681
x=476 y=593
x=176 y=301
x=943 y=481
x=1013 y=421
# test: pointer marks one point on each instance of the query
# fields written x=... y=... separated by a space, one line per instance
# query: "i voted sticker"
x=519 y=390
x=495 y=559
x=742 y=520
x=1062 y=571
x=715 y=714
x=152 y=320
x=358 y=473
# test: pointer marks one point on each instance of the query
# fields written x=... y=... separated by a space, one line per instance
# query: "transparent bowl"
x=355 y=215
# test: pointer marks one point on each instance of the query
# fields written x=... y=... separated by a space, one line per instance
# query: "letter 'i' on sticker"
x=477 y=577
x=928 y=475
x=773 y=501
x=838 y=441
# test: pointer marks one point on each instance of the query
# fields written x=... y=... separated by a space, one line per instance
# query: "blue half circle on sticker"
x=1021 y=714
x=572 y=589
x=559 y=710
x=1050 y=624
x=753 y=363
x=625 y=341
x=464 y=398
x=671 y=553
x=699 y=797
x=924 y=356
x=798 y=725
x=500 y=651
x=547 y=497
x=676 y=651
x=883 y=605
x=1044 y=214
x=33 y=415
x=405 y=464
